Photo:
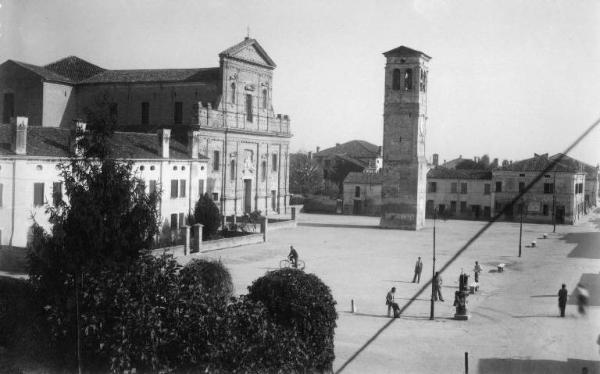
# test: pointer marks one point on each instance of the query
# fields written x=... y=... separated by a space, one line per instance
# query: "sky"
x=507 y=78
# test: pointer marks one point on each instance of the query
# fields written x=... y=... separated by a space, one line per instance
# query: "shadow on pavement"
x=539 y=316
x=524 y=366
x=546 y=295
x=338 y=226
x=588 y=244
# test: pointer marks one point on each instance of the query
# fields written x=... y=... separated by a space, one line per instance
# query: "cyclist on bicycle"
x=293 y=257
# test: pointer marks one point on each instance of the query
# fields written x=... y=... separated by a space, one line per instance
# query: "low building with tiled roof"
x=557 y=196
x=246 y=142
x=362 y=193
x=362 y=155
x=30 y=179
x=459 y=193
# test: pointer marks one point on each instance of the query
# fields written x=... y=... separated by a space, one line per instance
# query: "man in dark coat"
x=562 y=299
x=418 y=269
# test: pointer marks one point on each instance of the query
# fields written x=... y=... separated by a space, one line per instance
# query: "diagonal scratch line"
x=470 y=241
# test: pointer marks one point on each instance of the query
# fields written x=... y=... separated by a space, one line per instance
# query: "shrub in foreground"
x=303 y=303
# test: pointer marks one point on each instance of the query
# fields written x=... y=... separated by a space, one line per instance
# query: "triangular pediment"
x=249 y=50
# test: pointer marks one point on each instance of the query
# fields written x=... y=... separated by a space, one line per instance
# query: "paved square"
x=514 y=325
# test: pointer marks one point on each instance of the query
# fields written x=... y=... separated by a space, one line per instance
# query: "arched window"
x=233 y=93
x=396 y=80
x=408 y=78
x=264 y=99
x=232 y=172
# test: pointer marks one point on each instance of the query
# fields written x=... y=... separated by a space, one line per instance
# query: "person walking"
x=437 y=287
x=418 y=269
x=582 y=298
x=562 y=299
x=476 y=270
x=391 y=304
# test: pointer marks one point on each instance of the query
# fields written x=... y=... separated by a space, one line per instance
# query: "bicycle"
x=288 y=264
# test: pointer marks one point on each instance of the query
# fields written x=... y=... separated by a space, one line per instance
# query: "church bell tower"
x=405 y=169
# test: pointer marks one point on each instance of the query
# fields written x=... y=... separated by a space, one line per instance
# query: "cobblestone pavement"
x=514 y=326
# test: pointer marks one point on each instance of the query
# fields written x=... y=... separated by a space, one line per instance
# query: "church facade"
x=228 y=109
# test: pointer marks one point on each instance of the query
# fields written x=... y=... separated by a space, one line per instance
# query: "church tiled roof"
x=74 y=68
x=207 y=75
x=57 y=142
x=43 y=72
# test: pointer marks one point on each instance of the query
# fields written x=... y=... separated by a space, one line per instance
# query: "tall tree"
x=305 y=177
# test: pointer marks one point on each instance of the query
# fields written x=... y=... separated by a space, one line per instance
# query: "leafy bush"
x=303 y=303
x=22 y=329
x=207 y=213
x=249 y=342
x=319 y=204
x=213 y=276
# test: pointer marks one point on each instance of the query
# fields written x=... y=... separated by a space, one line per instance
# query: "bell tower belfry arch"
x=405 y=168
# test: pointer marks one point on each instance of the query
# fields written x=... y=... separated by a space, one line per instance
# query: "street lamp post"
x=554 y=203
x=521 y=229
x=433 y=272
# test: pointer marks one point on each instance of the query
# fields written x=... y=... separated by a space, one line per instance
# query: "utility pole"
x=554 y=202
x=433 y=272
x=521 y=229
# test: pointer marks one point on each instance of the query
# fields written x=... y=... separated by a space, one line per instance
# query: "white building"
x=29 y=177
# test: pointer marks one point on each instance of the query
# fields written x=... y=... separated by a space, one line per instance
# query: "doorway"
x=560 y=214
x=247 y=195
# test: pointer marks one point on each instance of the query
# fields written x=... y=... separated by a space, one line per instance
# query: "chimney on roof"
x=318 y=149
x=309 y=155
x=164 y=138
x=193 y=146
x=504 y=162
x=435 y=159
x=337 y=144
x=380 y=151
x=459 y=156
x=495 y=161
x=80 y=128
x=19 y=143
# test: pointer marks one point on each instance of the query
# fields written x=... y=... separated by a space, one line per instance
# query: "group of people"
x=437 y=286
x=582 y=299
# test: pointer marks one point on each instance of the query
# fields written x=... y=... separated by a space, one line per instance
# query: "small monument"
x=460 y=297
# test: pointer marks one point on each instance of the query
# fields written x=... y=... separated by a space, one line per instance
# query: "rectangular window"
x=441 y=208
x=182 y=220
x=182 y=187
x=545 y=209
x=1 y=193
x=56 y=193
x=264 y=170
x=357 y=191
x=152 y=186
x=9 y=107
x=463 y=206
x=548 y=187
x=232 y=170
x=463 y=188
x=273 y=199
x=432 y=186
x=145 y=113
x=174 y=221
x=178 y=112
x=521 y=186
x=249 y=115
x=453 y=187
x=497 y=207
x=274 y=162
x=38 y=194
x=215 y=196
x=453 y=206
x=486 y=189
x=174 y=188
x=216 y=160
x=498 y=186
